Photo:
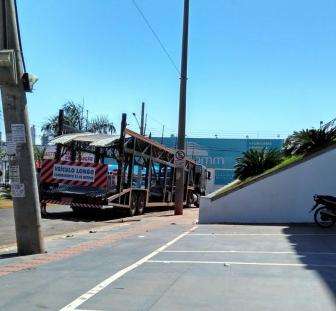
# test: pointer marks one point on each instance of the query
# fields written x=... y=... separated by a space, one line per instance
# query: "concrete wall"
x=284 y=197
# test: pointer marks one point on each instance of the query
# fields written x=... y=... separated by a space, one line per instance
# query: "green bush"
x=254 y=162
x=310 y=140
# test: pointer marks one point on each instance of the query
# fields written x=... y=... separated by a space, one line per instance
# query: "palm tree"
x=38 y=153
x=309 y=140
x=74 y=118
x=101 y=124
x=254 y=162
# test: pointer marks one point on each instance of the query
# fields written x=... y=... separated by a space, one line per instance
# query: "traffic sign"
x=179 y=158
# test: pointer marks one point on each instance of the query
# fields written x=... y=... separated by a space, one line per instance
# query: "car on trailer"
x=129 y=171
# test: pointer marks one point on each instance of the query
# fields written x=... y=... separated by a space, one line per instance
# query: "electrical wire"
x=142 y=14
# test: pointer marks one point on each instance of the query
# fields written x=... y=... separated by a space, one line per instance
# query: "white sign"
x=83 y=157
x=18 y=190
x=179 y=158
x=87 y=157
x=18 y=133
x=10 y=145
x=78 y=173
x=66 y=156
x=49 y=153
x=14 y=173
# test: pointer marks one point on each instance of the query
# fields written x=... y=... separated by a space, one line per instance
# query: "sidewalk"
x=61 y=220
x=166 y=262
x=95 y=235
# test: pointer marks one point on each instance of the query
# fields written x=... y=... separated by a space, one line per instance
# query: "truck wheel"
x=43 y=210
x=76 y=210
x=197 y=202
x=133 y=206
x=141 y=204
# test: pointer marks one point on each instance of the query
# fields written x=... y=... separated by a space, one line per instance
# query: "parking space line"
x=251 y=252
x=95 y=290
x=262 y=234
x=240 y=263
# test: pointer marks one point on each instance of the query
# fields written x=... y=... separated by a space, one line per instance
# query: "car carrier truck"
x=129 y=171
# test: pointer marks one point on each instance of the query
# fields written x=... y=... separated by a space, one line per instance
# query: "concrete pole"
x=179 y=192
x=142 y=121
x=25 y=198
x=60 y=124
x=162 y=133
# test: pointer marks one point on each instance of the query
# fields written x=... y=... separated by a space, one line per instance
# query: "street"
x=166 y=262
x=61 y=220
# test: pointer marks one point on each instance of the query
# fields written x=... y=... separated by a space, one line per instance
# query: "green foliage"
x=5 y=193
x=101 y=124
x=254 y=162
x=288 y=160
x=240 y=183
x=3 y=153
x=38 y=153
x=75 y=117
x=309 y=140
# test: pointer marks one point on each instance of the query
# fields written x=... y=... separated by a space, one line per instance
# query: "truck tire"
x=133 y=206
x=43 y=207
x=76 y=210
x=141 y=204
x=197 y=202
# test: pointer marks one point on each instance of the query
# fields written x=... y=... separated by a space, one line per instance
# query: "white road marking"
x=262 y=234
x=239 y=263
x=95 y=290
x=251 y=252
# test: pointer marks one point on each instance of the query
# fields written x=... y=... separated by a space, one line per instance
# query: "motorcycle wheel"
x=323 y=220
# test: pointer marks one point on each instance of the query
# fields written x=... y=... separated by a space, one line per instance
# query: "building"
x=219 y=155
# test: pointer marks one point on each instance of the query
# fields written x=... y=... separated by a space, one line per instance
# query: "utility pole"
x=162 y=133
x=142 y=121
x=14 y=83
x=179 y=192
x=60 y=129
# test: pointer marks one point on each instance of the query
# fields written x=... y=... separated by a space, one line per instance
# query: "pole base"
x=178 y=211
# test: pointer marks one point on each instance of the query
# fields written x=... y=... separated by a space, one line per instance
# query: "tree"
x=3 y=153
x=309 y=140
x=74 y=117
x=101 y=124
x=38 y=153
x=254 y=162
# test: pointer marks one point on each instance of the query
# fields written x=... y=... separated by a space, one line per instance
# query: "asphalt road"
x=164 y=262
x=61 y=220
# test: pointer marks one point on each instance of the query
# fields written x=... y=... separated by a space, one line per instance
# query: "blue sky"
x=255 y=66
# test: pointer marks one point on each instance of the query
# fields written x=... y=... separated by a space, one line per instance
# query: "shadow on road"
x=97 y=215
x=8 y=255
x=85 y=216
x=316 y=248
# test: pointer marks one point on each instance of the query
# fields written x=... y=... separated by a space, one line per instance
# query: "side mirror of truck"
x=208 y=175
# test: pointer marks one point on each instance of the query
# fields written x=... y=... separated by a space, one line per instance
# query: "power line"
x=155 y=35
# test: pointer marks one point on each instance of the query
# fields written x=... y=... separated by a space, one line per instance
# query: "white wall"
x=211 y=187
x=285 y=197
